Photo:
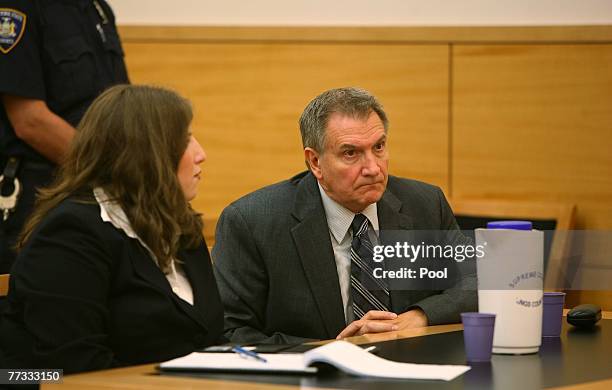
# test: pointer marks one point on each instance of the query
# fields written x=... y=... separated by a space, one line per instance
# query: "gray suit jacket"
x=276 y=270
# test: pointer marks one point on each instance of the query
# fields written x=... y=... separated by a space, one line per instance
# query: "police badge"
x=12 y=26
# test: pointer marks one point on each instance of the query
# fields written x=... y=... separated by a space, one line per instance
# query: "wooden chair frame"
x=4 y=284
x=562 y=213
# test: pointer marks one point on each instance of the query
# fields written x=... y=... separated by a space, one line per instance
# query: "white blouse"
x=112 y=212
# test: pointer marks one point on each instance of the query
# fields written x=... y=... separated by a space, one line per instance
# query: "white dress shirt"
x=113 y=213
x=339 y=220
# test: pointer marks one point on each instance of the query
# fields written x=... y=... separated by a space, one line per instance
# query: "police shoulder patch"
x=12 y=26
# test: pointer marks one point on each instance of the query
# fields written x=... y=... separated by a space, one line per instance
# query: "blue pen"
x=246 y=353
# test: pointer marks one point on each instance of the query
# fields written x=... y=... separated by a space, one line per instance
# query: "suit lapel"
x=148 y=270
x=194 y=266
x=313 y=243
x=389 y=216
x=390 y=221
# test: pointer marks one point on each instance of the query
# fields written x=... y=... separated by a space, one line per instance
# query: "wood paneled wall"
x=534 y=122
x=248 y=98
x=499 y=112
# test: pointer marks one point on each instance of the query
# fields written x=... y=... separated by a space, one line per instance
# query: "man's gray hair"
x=353 y=102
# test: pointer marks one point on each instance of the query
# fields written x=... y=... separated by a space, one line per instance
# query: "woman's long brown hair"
x=130 y=142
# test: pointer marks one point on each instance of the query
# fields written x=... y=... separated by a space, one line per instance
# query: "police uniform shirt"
x=65 y=52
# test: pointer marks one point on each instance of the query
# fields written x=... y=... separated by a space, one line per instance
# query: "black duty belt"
x=10 y=187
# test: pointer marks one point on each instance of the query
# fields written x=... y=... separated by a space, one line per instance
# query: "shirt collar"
x=111 y=212
x=339 y=218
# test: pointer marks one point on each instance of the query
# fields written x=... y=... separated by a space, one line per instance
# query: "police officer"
x=56 y=56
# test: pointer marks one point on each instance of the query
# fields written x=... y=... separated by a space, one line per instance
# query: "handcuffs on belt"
x=8 y=203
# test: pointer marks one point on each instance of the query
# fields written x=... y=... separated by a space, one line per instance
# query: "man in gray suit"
x=292 y=260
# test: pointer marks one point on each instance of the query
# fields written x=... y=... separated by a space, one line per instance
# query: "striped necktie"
x=368 y=293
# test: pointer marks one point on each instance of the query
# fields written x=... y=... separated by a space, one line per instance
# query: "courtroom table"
x=578 y=360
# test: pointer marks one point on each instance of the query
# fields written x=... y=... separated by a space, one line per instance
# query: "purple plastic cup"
x=552 y=314
x=478 y=336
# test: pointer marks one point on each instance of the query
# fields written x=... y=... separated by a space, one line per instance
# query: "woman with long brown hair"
x=112 y=267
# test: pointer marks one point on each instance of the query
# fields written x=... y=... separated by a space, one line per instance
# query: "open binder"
x=344 y=356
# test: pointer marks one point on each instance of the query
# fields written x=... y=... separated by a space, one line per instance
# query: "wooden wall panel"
x=248 y=98
x=534 y=122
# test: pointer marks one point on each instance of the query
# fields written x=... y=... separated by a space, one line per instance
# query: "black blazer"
x=276 y=270
x=84 y=296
